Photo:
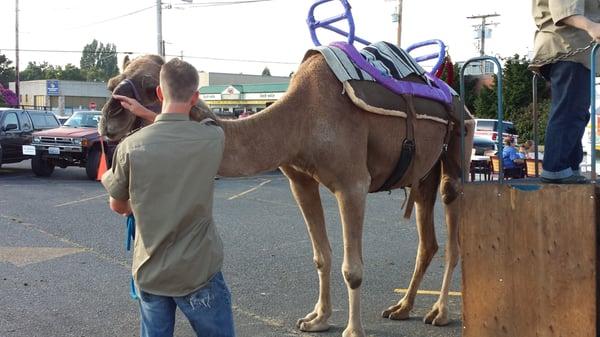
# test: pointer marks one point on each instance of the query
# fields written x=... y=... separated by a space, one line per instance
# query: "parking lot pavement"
x=64 y=270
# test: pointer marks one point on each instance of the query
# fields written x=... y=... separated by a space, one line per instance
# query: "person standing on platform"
x=564 y=29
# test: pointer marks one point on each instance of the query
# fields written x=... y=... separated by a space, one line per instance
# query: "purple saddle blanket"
x=375 y=78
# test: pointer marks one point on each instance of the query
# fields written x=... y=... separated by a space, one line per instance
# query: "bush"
x=523 y=120
x=8 y=97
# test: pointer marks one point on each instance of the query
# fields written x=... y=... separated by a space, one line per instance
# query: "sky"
x=270 y=34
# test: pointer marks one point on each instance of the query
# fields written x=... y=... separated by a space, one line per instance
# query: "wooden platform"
x=529 y=260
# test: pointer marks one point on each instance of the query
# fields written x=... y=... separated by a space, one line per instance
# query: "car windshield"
x=84 y=120
x=42 y=120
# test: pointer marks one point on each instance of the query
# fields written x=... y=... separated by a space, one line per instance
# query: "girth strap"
x=408 y=148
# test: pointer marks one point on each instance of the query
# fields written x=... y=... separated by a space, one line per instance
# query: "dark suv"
x=76 y=143
x=16 y=129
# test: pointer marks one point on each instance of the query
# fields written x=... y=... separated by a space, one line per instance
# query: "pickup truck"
x=75 y=143
x=16 y=129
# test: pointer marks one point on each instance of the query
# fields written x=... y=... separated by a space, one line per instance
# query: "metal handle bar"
x=534 y=82
x=440 y=55
x=500 y=116
x=593 y=107
x=313 y=24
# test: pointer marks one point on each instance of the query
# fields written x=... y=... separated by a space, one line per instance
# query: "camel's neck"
x=262 y=142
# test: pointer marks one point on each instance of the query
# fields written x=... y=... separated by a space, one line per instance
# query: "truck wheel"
x=91 y=165
x=41 y=167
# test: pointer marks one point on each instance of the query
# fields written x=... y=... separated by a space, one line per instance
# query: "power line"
x=220 y=3
x=113 y=18
x=210 y=58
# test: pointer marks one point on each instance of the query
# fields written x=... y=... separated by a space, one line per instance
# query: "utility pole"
x=17 y=80
x=482 y=29
x=399 y=28
x=397 y=18
x=159 y=38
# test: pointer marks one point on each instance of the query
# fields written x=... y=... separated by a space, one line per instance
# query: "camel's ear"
x=126 y=62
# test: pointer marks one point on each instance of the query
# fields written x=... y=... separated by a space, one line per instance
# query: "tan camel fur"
x=317 y=136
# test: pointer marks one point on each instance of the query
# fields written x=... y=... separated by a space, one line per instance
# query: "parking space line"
x=250 y=190
x=273 y=323
x=428 y=292
x=81 y=200
x=90 y=250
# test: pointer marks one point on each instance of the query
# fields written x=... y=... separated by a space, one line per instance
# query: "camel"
x=316 y=135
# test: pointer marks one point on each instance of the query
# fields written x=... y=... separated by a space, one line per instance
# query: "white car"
x=488 y=128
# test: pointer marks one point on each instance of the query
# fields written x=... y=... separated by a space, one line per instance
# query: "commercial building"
x=210 y=78
x=62 y=97
x=231 y=94
x=228 y=94
x=232 y=100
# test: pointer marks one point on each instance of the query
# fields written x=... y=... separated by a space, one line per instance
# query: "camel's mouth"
x=116 y=121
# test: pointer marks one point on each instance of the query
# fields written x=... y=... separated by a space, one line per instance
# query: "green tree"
x=524 y=121
x=486 y=102
x=99 y=61
x=470 y=84
x=41 y=71
x=7 y=71
x=71 y=73
x=517 y=99
x=266 y=72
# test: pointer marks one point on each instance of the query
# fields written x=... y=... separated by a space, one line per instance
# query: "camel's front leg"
x=424 y=205
x=351 y=202
x=306 y=192
x=439 y=313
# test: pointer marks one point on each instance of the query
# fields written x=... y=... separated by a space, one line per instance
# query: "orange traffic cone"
x=102 y=167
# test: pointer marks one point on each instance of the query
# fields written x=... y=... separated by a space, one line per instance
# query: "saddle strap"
x=408 y=148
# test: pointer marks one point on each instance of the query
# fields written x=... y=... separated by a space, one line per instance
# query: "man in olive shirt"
x=564 y=26
x=164 y=175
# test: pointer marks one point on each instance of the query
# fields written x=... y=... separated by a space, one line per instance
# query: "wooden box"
x=529 y=260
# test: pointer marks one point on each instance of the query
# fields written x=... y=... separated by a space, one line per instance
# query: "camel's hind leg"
x=306 y=192
x=439 y=312
x=450 y=189
x=424 y=205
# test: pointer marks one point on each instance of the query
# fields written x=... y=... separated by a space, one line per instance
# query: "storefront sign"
x=52 y=88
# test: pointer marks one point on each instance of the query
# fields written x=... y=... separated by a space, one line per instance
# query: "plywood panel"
x=529 y=261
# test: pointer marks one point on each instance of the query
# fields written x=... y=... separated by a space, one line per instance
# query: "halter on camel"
x=430 y=88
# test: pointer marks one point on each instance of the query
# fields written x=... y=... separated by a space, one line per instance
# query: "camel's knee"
x=449 y=190
x=322 y=263
x=353 y=275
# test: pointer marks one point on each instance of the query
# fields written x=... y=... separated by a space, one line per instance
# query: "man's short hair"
x=178 y=80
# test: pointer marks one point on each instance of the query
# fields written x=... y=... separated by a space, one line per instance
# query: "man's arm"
x=583 y=23
x=135 y=107
x=120 y=206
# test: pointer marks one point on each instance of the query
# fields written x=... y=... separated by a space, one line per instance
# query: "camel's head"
x=138 y=80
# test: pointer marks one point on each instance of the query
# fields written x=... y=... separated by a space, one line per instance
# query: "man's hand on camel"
x=135 y=107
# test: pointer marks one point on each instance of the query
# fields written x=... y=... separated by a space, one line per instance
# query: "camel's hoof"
x=312 y=323
x=437 y=316
x=351 y=332
x=397 y=312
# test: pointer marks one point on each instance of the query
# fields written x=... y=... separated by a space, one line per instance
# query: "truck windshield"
x=83 y=120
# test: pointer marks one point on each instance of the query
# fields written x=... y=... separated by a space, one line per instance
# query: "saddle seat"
x=377 y=77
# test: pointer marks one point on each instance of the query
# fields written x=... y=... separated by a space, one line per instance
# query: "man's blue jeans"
x=208 y=310
x=569 y=115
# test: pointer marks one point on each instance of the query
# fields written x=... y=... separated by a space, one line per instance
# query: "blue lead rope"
x=130 y=236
